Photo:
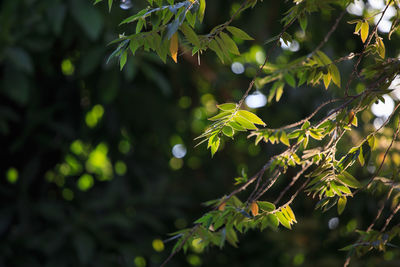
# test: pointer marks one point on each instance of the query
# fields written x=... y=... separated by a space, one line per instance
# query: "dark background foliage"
x=87 y=174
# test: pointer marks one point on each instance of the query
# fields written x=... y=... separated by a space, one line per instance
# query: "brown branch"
x=295 y=178
x=328 y=35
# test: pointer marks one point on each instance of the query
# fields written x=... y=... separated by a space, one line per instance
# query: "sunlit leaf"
x=364 y=31
x=227 y=106
x=228 y=131
x=250 y=117
x=282 y=219
x=334 y=71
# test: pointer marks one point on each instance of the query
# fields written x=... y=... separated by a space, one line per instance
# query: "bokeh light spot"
x=68 y=194
x=12 y=175
x=356 y=8
x=99 y=163
x=85 y=182
x=185 y=102
x=140 y=261
x=158 y=245
x=194 y=260
x=179 y=151
x=77 y=147
x=333 y=223
x=93 y=116
x=120 y=167
x=298 y=259
x=67 y=67
x=124 y=146
x=175 y=163
x=125 y=4
x=237 y=68
x=381 y=109
x=256 y=100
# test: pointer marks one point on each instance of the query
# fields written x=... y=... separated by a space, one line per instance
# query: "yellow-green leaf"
x=349 y=180
x=227 y=106
x=245 y=123
x=220 y=116
x=279 y=92
x=250 y=117
x=282 y=219
x=327 y=80
x=291 y=213
x=341 y=204
x=364 y=31
x=202 y=8
x=284 y=139
x=334 y=71
x=381 y=47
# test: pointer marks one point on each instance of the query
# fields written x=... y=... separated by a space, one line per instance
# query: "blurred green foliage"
x=87 y=173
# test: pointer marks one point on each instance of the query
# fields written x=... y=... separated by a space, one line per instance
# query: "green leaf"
x=215 y=146
x=273 y=221
x=227 y=106
x=349 y=180
x=366 y=152
x=245 y=123
x=284 y=138
x=213 y=45
x=238 y=33
x=228 y=131
x=222 y=45
x=229 y=43
x=190 y=35
x=134 y=17
x=335 y=74
x=236 y=126
x=344 y=189
x=282 y=219
x=250 y=117
x=139 y=25
x=341 y=204
x=325 y=59
x=266 y=206
x=122 y=60
x=202 y=8
x=290 y=79
x=220 y=116
x=303 y=78
x=303 y=22
x=110 y=2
